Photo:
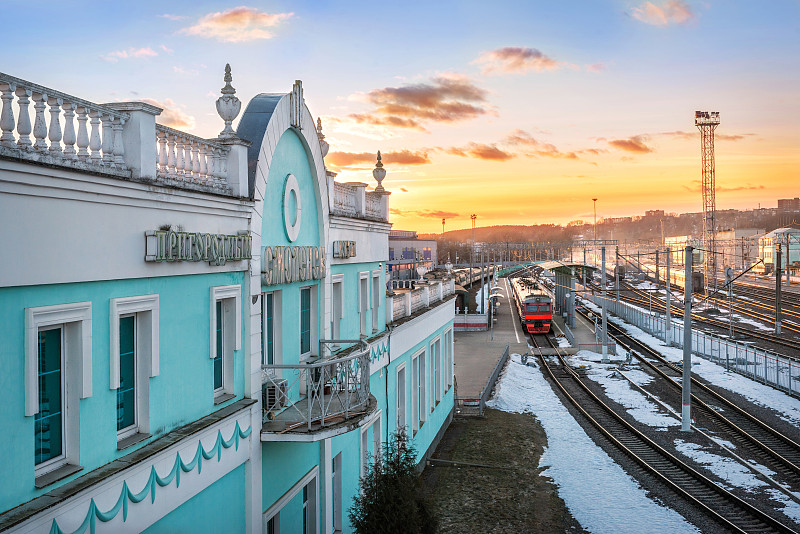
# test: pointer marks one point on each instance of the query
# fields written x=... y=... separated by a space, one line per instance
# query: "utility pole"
x=443 y=220
x=788 y=261
x=472 y=248
x=668 y=318
x=777 y=289
x=483 y=286
x=583 y=269
x=616 y=274
x=658 y=278
x=605 y=314
x=686 y=411
x=595 y=222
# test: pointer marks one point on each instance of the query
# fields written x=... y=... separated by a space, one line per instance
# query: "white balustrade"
x=344 y=200
x=55 y=140
x=185 y=158
x=373 y=207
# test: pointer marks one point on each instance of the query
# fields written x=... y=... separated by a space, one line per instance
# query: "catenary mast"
x=707 y=122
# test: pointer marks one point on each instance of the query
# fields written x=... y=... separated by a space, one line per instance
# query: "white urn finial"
x=379 y=173
x=323 y=144
x=228 y=106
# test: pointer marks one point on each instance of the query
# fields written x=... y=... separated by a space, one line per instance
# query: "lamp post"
x=472 y=248
x=594 y=200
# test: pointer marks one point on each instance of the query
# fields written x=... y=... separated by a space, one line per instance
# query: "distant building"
x=409 y=256
x=654 y=213
x=789 y=238
x=738 y=246
x=789 y=204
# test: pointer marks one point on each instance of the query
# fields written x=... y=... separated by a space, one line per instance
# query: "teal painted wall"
x=219 y=508
x=183 y=391
x=351 y=322
x=283 y=465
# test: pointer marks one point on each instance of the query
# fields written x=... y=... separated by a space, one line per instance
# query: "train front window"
x=530 y=307
x=544 y=307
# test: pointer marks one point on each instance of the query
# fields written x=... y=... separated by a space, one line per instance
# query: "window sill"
x=224 y=397
x=57 y=474
x=130 y=441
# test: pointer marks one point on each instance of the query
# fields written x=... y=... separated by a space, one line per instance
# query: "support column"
x=686 y=409
x=605 y=313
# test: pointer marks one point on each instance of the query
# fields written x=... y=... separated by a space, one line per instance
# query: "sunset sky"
x=520 y=112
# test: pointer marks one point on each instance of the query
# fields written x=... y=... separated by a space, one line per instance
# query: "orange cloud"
x=481 y=151
x=115 y=56
x=697 y=185
x=403 y=157
x=532 y=147
x=433 y=214
x=448 y=98
x=516 y=59
x=670 y=12
x=172 y=116
x=237 y=25
x=596 y=67
x=633 y=144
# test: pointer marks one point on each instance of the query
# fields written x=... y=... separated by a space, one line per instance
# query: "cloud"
x=532 y=147
x=185 y=72
x=237 y=25
x=166 y=49
x=516 y=59
x=697 y=185
x=172 y=17
x=172 y=116
x=481 y=151
x=632 y=144
x=669 y=12
x=433 y=214
x=403 y=157
x=596 y=67
x=404 y=190
x=446 y=98
x=130 y=53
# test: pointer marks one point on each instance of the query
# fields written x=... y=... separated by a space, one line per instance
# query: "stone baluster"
x=23 y=118
x=54 y=134
x=196 y=160
x=213 y=158
x=108 y=140
x=69 y=130
x=7 y=115
x=162 y=152
x=223 y=164
x=83 y=134
x=187 y=157
x=203 y=164
x=39 y=125
x=94 y=140
x=172 y=171
x=119 y=146
x=180 y=162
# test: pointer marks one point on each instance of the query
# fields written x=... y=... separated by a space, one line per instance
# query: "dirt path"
x=511 y=496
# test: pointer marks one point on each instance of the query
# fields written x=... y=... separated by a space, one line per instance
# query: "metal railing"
x=319 y=393
x=759 y=364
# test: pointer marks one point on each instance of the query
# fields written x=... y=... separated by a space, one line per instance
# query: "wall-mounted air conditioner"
x=274 y=395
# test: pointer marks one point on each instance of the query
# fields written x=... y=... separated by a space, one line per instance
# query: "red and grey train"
x=534 y=306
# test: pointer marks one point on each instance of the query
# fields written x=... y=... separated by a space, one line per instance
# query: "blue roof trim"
x=251 y=128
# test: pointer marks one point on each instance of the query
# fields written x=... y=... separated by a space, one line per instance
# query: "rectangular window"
x=268 y=329
x=337 y=305
x=336 y=483
x=305 y=320
x=218 y=340
x=305 y=511
x=414 y=395
x=49 y=422
x=401 y=398
x=422 y=385
x=376 y=299
x=363 y=301
x=226 y=334
x=126 y=392
x=436 y=355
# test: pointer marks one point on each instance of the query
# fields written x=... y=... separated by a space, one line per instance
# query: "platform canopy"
x=562 y=267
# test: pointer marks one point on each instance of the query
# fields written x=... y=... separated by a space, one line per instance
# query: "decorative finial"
x=323 y=144
x=228 y=106
x=379 y=173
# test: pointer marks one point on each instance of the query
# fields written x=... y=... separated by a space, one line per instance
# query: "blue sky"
x=604 y=92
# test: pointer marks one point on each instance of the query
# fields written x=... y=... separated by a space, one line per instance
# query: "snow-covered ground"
x=598 y=493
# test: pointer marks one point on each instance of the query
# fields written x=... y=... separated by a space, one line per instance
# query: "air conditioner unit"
x=274 y=395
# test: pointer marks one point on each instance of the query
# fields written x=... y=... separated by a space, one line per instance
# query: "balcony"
x=351 y=199
x=319 y=398
x=406 y=303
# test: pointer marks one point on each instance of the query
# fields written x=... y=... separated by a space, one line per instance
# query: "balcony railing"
x=426 y=294
x=310 y=396
x=352 y=200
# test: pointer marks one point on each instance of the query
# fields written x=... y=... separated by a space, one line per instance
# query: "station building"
x=196 y=331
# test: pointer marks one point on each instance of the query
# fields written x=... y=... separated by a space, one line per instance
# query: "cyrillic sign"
x=344 y=249
x=217 y=249
x=284 y=265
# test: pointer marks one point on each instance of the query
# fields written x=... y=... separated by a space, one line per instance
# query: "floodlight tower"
x=707 y=122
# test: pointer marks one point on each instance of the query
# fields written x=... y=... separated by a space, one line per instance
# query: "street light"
x=595 y=220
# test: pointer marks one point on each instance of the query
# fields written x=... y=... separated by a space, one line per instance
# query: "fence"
x=759 y=364
x=487 y=390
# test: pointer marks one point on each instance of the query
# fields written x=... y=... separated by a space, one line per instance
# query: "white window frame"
x=310 y=478
x=366 y=447
x=146 y=331
x=337 y=305
x=414 y=394
x=336 y=490
x=232 y=341
x=277 y=326
x=363 y=301
x=313 y=346
x=401 y=420
x=449 y=368
x=376 y=286
x=436 y=371
x=75 y=320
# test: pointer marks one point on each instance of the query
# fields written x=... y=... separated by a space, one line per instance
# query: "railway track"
x=722 y=507
x=766 y=445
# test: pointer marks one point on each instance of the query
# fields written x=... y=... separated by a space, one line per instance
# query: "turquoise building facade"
x=197 y=333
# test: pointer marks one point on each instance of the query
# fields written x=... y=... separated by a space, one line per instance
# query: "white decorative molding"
x=137 y=304
x=292 y=229
x=35 y=318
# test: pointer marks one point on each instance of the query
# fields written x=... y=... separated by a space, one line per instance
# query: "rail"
x=424 y=295
x=759 y=364
x=489 y=387
x=316 y=394
x=185 y=158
